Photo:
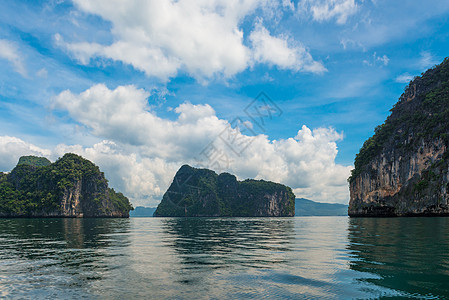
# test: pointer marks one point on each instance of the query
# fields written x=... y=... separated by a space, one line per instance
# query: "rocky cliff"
x=70 y=187
x=201 y=192
x=403 y=170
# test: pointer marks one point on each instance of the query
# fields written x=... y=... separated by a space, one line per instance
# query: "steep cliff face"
x=403 y=170
x=70 y=187
x=201 y=192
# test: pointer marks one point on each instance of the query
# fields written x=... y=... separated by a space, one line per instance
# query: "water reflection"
x=228 y=258
x=255 y=243
x=27 y=233
x=58 y=253
x=324 y=257
x=408 y=255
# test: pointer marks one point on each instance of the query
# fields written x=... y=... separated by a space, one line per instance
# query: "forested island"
x=403 y=170
x=70 y=187
x=203 y=193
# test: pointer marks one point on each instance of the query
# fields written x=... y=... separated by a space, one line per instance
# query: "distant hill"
x=141 y=211
x=304 y=207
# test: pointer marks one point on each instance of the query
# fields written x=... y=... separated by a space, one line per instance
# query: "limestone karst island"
x=403 y=170
x=203 y=193
x=70 y=187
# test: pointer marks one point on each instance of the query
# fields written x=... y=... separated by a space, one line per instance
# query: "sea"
x=225 y=258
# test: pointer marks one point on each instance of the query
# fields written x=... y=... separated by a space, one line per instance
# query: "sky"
x=285 y=91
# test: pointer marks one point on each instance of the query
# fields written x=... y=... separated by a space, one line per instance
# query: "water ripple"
x=303 y=258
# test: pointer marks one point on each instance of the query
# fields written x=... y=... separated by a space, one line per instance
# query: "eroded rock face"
x=70 y=187
x=203 y=193
x=403 y=169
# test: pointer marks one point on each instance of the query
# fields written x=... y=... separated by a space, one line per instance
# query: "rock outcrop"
x=70 y=187
x=403 y=170
x=203 y=193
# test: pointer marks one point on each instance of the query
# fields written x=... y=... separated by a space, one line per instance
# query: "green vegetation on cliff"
x=36 y=187
x=410 y=122
x=201 y=192
x=34 y=161
x=402 y=170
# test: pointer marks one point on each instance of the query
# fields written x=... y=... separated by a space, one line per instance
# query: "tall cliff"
x=403 y=170
x=201 y=193
x=70 y=187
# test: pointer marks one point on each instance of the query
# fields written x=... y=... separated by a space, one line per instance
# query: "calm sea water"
x=302 y=257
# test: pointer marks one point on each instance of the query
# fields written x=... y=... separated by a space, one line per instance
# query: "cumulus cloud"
x=9 y=51
x=325 y=10
x=123 y=115
x=277 y=51
x=159 y=146
x=162 y=37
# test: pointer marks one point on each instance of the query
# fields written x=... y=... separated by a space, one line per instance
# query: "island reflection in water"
x=303 y=257
x=410 y=255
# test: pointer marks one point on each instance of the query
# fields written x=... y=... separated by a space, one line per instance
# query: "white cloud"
x=12 y=148
x=277 y=51
x=325 y=10
x=384 y=59
x=349 y=43
x=162 y=37
x=143 y=151
x=288 y=4
x=376 y=59
x=9 y=51
x=123 y=115
x=404 y=78
x=427 y=60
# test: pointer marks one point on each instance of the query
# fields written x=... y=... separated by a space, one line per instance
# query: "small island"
x=403 y=170
x=203 y=193
x=70 y=187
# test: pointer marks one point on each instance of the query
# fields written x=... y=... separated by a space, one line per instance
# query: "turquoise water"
x=302 y=257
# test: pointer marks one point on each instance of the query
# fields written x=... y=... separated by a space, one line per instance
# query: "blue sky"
x=142 y=87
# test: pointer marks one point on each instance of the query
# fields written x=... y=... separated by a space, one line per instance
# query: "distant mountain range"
x=141 y=211
x=303 y=207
